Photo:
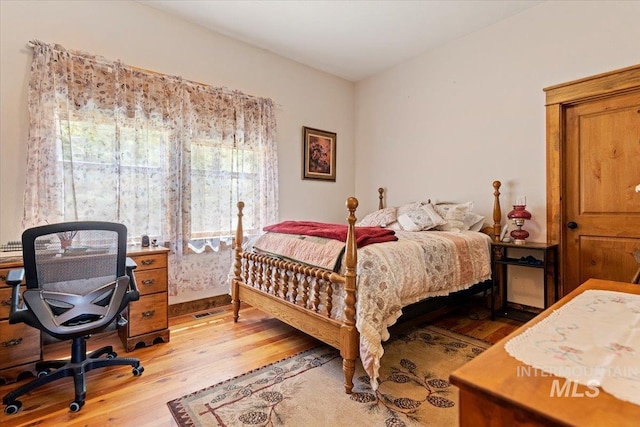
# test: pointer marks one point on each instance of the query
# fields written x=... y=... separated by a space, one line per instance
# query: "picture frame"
x=318 y=154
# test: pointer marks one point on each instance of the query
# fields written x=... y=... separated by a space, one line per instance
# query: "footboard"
x=302 y=296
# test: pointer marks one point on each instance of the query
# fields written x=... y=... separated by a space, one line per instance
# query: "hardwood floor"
x=203 y=351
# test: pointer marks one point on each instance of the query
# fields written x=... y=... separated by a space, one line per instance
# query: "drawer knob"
x=148 y=282
x=12 y=343
x=148 y=261
x=148 y=314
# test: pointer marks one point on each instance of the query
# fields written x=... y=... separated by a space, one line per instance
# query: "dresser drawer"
x=150 y=313
x=151 y=281
x=150 y=261
x=19 y=344
x=148 y=318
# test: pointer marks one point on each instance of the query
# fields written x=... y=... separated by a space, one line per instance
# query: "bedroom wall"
x=447 y=123
x=148 y=38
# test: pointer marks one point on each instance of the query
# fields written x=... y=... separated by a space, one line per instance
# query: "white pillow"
x=401 y=211
x=408 y=207
x=473 y=221
x=454 y=216
x=395 y=225
x=446 y=205
x=379 y=218
x=422 y=218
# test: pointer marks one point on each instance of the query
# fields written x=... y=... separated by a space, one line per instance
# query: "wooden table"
x=493 y=394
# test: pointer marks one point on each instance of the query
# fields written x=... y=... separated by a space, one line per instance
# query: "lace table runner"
x=593 y=340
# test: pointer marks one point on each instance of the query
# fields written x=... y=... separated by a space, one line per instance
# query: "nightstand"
x=545 y=257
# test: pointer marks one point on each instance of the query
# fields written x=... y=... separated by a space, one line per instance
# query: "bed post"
x=380 y=198
x=237 y=265
x=497 y=212
x=348 y=332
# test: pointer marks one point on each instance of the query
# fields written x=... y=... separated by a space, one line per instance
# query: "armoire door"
x=593 y=174
x=602 y=189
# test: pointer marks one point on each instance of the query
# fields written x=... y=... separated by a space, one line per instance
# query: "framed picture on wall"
x=318 y=154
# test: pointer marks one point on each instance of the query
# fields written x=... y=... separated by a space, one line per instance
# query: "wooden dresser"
x=20 y=344
x=148 y=318
x=148 y=323
x=495 y=392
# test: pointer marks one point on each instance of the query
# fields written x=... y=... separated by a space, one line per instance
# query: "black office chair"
x=78 y=281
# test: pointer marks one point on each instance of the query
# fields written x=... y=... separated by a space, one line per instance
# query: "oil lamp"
x=519 y=215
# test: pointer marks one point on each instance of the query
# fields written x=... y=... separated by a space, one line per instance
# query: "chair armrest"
x=134 y=294
x=130 y=264
x=14 y=279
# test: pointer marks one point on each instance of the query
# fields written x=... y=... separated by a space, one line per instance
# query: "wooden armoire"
x=593 y=176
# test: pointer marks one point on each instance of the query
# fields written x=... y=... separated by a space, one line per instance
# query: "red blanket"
x=364 y=235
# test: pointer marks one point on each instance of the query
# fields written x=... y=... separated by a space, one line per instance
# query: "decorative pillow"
x=408 y=207
x=395 y=225
x=453 y=215
x=473 y=221
x=379 y=218
x=447 y=205
x=422 y=218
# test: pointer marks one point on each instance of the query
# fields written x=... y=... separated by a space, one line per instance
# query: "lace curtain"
x=167 y=157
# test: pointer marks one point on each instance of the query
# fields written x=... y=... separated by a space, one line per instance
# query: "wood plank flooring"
x=202 y=352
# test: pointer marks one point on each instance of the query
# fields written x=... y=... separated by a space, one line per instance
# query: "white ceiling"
x=348 y=38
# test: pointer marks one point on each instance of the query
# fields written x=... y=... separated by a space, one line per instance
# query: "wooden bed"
x=303 y=296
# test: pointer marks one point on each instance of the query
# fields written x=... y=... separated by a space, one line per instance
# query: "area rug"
x=307 y=389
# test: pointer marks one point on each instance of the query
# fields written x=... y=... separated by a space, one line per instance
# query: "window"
x=98 y=159
x=211 y=165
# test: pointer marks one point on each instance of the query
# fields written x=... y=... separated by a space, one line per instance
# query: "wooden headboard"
x=493 y=231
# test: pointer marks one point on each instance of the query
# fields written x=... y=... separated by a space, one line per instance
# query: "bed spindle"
x=316 y=294
x=288 y=291
x=294 y=291
x=259 y=276
x=270 y=277
x=277 y=280
x=305 y=288
x=329 y=297
x=246 y=266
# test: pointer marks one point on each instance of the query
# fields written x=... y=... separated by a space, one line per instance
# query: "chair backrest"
x=75 y=275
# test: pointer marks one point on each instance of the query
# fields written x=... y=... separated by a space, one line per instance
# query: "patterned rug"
x=307 y=389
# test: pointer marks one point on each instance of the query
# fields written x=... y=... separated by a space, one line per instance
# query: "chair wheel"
x=12 y=408
x=112 y=355
x=137 y=371
x=75 y=406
